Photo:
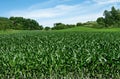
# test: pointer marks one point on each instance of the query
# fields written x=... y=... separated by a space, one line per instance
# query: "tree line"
x=19 y=23
x=109 y=19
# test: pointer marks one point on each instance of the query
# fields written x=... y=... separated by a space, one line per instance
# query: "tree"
x=111 y=18
x=114 y=14
x=47 y=28
x=5 y=23
x=79 y=24
x=101 y=21
x=58 y=26
x=108 y=18
x=69 y=26
x=25 y=24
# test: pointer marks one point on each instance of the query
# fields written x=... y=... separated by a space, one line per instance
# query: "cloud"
x=47 y=4
x=65 y=13
x=44 y=13
x=106 y=1
x=70 y=20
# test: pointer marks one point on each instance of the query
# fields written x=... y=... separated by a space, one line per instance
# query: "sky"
x=48 y=12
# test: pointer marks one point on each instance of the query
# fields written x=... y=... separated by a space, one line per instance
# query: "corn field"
x=60 y=55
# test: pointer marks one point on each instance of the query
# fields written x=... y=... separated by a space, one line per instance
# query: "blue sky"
x=48 y=12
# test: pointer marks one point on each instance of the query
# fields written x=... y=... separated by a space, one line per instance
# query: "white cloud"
x=70 y=14
x=47 y=4
x=71 y=20
x=106 y=1
x=44 y=13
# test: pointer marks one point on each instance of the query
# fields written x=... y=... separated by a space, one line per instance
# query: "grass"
x=80 y=29
x=87 y=29
x=10 y=31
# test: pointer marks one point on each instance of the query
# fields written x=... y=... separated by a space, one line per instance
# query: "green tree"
x=47 y=28
x=114 y=14
x=79 y=24
x=108 y=18
x=101 y=21
x=25 y=24
x=58 y=26
x=111 y=18
x=5 y=23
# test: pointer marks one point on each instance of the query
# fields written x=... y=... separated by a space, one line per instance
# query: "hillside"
x=87 y=29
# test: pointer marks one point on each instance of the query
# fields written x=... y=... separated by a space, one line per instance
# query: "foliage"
x=79 y=24
x=19 y=23
x=111 y=18
x=47 y=28
x=101 y=21
x=53 y=55
x=26 y=24
x=59 y=26
x=5 y=23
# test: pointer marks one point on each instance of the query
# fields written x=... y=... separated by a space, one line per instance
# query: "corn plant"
x=54 y=55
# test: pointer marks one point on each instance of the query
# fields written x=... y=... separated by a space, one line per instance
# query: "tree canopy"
x=19 y=23
x=110 y=19
x=5 y=23
x=59 y=26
